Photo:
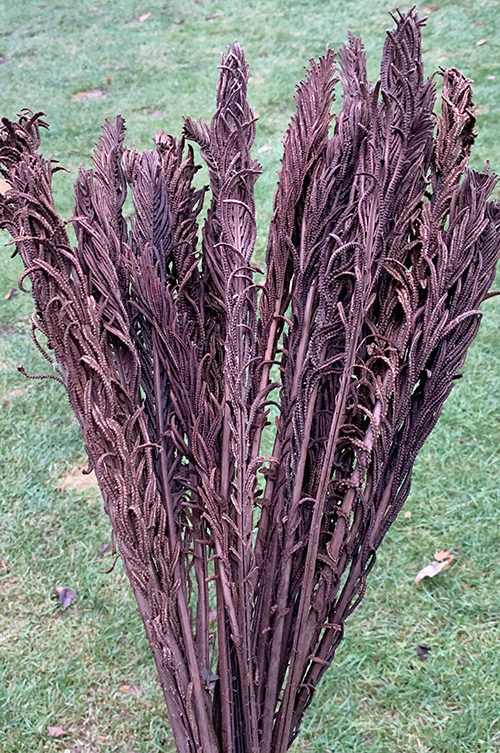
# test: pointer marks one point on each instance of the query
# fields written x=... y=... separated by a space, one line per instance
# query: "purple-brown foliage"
x=382 y=246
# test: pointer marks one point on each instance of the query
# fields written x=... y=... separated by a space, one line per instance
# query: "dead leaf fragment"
x=65 y=595
x=56 y=732
x=77 y=480
x=435 y=567
x=423 y=651
x=105 y=548
x=441 y=555
x=480 y=42
x=4 y=186
x=491 y=78
x=87 y=95
x=12 y=292
x=265 y=148
x=431 y=8
x=131 y=689
x=144 y=17
x=407 y=514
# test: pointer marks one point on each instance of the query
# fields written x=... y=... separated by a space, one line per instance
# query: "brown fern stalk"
x=246 y=555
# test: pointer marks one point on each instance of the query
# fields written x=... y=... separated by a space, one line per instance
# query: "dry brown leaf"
x=481 y=42
x=105 y=548
x=441 y=555
x=4 y=186
x=431 y=8
x=265 y=148
x=56 y=732
x=434 y=567
x=77 y=480
x=144 y=17
x=65 y=595
x=423 y=651
x=131 y=689
x=90 y=94
x=12 y=292
x=407 y=514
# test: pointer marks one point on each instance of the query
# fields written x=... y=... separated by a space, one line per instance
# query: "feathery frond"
x=382 y=246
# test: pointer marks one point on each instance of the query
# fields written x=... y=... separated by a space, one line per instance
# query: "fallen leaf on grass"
x=423 y=651
x=4 y=566
x=131 y=689
x=4 y=186
x=144 y=17
x=77 y=480
x=480 y=42
x=65 y=595
x=105 y=548
x=442 y=554
x=491 y=78
x=56 y=732
x=90 y=94
x=431 y=8
x=210 y=17
x=436 y=566
x=407 y=514
x=12 y=292
x=265 y=148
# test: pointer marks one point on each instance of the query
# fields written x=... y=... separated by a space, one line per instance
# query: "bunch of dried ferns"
x=246 y=564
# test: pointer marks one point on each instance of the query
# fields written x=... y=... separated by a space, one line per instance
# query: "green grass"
x=66 y=667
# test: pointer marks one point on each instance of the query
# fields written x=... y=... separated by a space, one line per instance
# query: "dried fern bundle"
x=246 y=564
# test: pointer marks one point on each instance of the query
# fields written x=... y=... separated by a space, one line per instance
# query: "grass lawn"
x=87 y=668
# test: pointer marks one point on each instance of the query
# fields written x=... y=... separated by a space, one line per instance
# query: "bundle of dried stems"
x=382 y=246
